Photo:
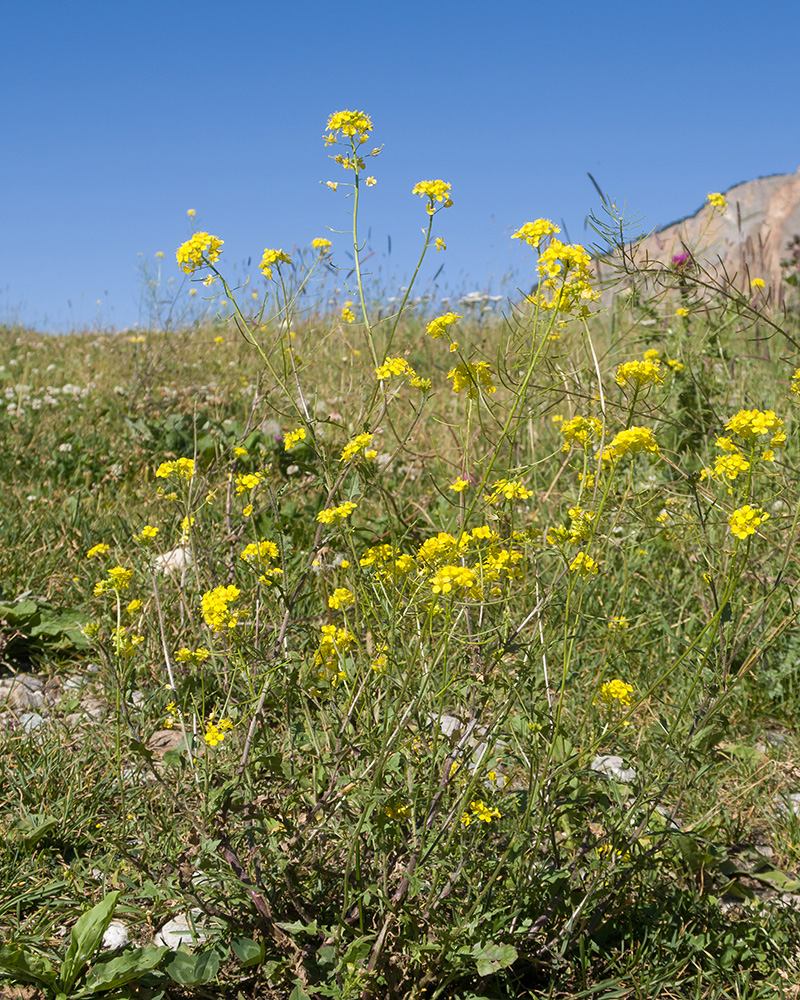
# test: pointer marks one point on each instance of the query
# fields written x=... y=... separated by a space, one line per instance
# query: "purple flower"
x=681 y=259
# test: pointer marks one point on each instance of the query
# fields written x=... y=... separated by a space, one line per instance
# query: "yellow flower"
x=459 y=485
x=270 y=258
x=133 y=607
x=321 y=244
x=354 y=447
x=753 y=424
x=394 y=368
x=615 y=690
x=620 y=624
x=717 y=201
x=745 y=520
x=438 y=327
x=119 y=579
x=214 y=605
x=347 y=313
x=331 y=184
x=471 y=377
x=351 y=124
x=97 y=550
x=507 y=489
x=584 y=565
x=340 y=597
x=580 y=431
x=729 y=466
x=440 y=244
x=247 y=511
x=244 y=484
x=682 y=312
x=757 y=283
x=533 y=233
x=448 y=577
x=182 y=468
x=159 y=254
x=293 y=438
x=370 y=182
x=333 y=514
x=216 y=732
x=240 y=452
x=434 y=191
x=195 y=657
x=795 y=385
x=639 y=373
x=478 y=810
x=199 y=251
x=631 y=442
x=191 y=212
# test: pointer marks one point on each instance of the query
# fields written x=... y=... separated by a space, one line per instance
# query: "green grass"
x=337 y=836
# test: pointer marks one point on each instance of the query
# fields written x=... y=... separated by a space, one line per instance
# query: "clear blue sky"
x=117 y=118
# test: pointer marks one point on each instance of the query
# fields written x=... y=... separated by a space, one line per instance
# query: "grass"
x=370 y=750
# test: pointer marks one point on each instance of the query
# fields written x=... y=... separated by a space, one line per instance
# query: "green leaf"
x=31 y=829
x=27 y=967
x=112 y=972
x=491 y=958
x=248 y=951
x=85 y=939
x=192 y=970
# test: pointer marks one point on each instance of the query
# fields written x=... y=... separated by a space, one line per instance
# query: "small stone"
x=116 y=936
x=184 y=929
x=611 y=766
x=31 y=721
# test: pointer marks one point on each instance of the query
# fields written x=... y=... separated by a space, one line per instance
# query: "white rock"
x=183 y=929
x=611 y=766
x=175 y=561
x=116 y=936
x=31 y=721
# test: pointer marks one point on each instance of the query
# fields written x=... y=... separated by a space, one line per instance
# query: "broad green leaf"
x=32 y=828
x=27 y=967
x=192 y=970
x=85 y=939
x=491 y=958
x=248 y=951
x=109 y=973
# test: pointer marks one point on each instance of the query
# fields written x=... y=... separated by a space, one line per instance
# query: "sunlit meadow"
x=412 y=652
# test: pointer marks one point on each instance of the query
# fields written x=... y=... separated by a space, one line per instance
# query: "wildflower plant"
x=403 y=588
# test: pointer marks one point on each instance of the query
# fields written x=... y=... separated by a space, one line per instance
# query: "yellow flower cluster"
x=333 y=642
x=730 y=466
x=584 y=565
x=214 y=604
x=717 y=201
x=148 y=532
x=193 y=656
x=260 y=554
x=333 y=514
x=272 y=258
x=398 y=811
x=394 y=368
x=620 y=624
x=478 y=810
x=438 y=327
x=119 y=579
x=293 y=438
x=434 y=191
x=582 y=526
x=125 y=642
x=616 y=690
x=321 y=244
x=472 y=377
x=580 y=431
x=507 y=489
x=449 y=577
x=246 y=483
x=341 y=597
x=202 y=249
x=181 y=468
x=795 y=386
x=97 y=550
x=745 y=520
x=357 y=446
x=631 y=442
x=534 y=232
x=351 y=124
x=565 y=270
x=216 y=732
x=347 y=313
x=639 y=374
x=754 y=424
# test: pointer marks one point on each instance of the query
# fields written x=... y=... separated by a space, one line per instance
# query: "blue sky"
x=119 y=117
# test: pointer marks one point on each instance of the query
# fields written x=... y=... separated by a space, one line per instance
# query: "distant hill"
x=748 y=240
